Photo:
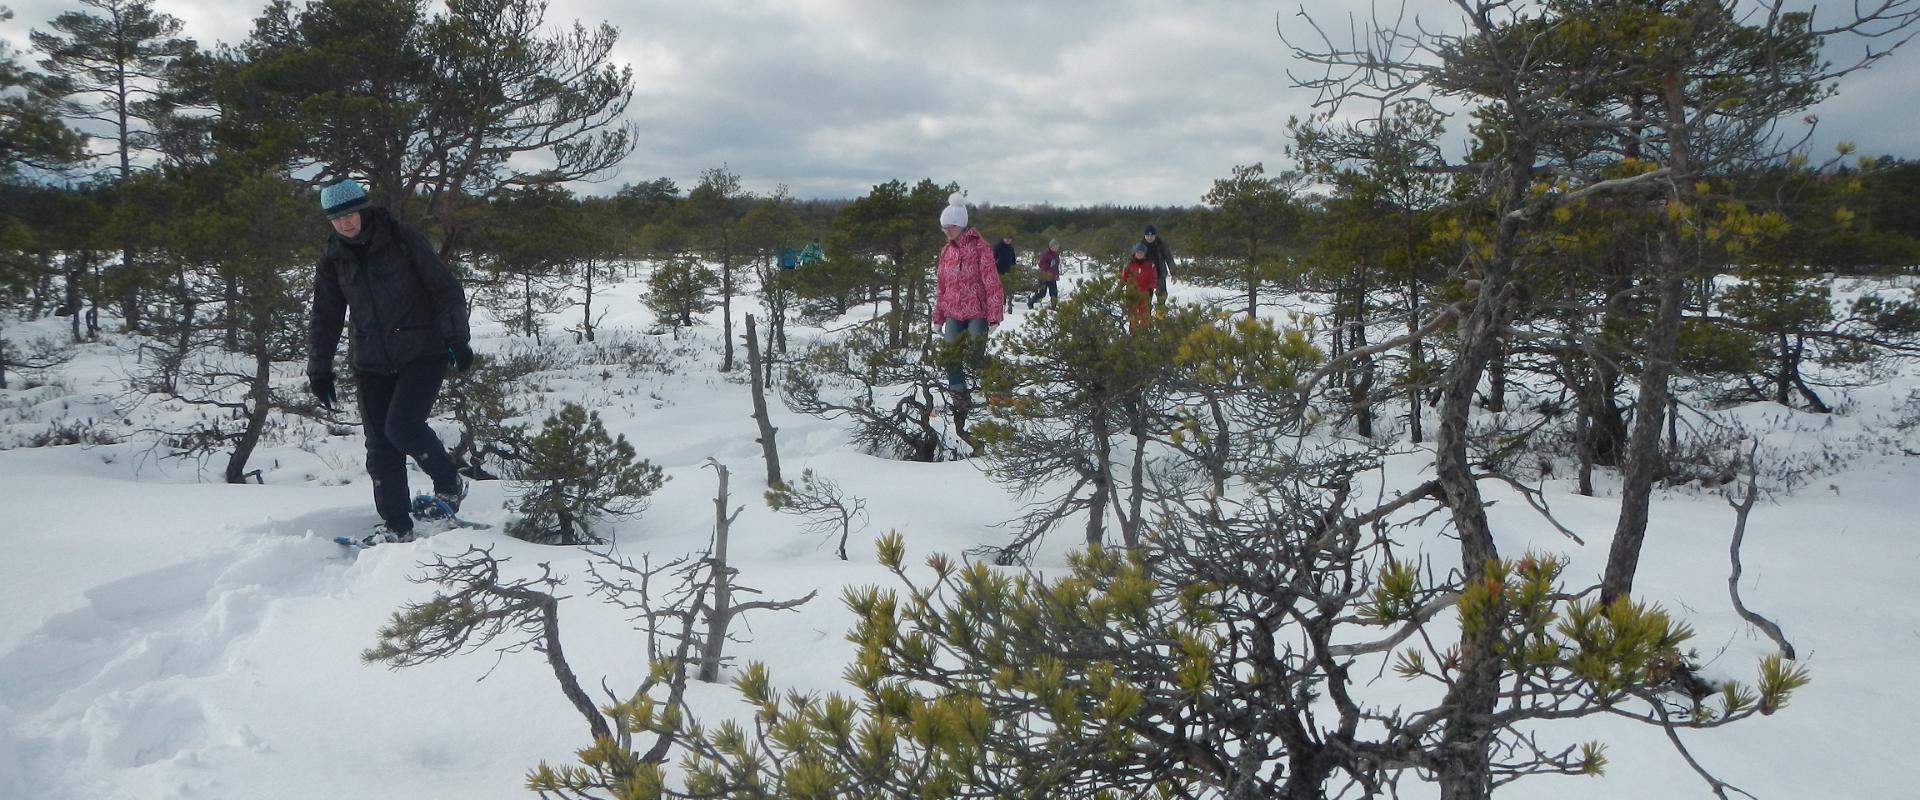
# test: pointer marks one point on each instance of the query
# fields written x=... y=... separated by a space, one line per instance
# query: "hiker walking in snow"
x=967 y=296
x=1161 y=254
x=1004 y=259
x=409 y=321
x=1138 y=276
x=1049 y=268
x=812 y=254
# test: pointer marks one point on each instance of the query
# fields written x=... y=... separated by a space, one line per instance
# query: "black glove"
x=321 y=385
x=461 y=355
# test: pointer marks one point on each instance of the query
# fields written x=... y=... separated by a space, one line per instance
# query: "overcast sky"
x=1070 y=103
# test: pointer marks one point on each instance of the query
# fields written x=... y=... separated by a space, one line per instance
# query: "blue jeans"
x=976 y=331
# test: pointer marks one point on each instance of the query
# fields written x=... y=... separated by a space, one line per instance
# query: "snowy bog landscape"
x=171 y=636
x=1444 y=400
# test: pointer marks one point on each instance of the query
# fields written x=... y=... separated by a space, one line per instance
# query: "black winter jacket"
x=405 y=303
x=1161 y=254
x=1003 y=257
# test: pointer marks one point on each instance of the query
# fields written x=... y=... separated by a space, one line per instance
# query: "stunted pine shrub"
x=575 y=475
x=677 y=291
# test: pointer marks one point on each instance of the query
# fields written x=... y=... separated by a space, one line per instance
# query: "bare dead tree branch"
x=1740 y=511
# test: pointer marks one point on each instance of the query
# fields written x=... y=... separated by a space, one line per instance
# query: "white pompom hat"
x=956 y=210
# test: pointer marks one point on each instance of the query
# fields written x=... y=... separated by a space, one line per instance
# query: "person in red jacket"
x=1139 y=275
x=967 y=297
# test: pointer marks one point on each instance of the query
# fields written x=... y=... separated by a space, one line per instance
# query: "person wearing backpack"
x=409 y=318
x=1161 y=254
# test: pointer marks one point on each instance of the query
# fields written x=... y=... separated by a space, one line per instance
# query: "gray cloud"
x=1132 y=101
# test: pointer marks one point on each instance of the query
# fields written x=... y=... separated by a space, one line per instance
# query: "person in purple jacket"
x=1049 y=267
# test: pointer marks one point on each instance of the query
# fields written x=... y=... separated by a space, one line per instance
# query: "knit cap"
x=342 y=198
x=956 y=211
x=1139 y=249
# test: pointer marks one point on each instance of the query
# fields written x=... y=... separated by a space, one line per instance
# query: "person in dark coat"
x=1161 y=254
x=409 y=321
x=1003 y=261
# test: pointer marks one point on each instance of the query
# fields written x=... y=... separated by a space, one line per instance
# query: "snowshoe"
x=439 y=505
x=382 y=534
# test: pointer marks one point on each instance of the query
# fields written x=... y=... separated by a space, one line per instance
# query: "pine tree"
x=678 y=290
x=112 y=69
x=575 y=475
x=431 y=108
x=528 y=250
x=1222 y=659
x=33 y=136
x=887 y=228
x=112 y=65
x=712 y=217
x=1252 y=221
x=1072 y=382
x=826 y=507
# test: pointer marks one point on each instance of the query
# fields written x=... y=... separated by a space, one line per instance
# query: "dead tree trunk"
x=755 y=367
x=721 y=613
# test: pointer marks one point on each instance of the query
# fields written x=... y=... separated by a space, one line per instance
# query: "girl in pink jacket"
x=967 y=297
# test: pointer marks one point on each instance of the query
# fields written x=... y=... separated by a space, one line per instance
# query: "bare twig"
x=1719 y=787
x=1441 y=602
x=1538 y=499
x=1740 y=511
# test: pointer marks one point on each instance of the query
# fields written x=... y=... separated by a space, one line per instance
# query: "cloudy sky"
x=1070 y=103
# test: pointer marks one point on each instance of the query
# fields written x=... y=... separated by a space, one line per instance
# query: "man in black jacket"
x=1003 y=262
x=1161 y=254
x=409 y=320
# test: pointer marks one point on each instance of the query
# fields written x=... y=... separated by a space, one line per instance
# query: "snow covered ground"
x=167 y=636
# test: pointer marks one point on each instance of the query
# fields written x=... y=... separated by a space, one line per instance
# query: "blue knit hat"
x=342 y=198
x=1150 y=231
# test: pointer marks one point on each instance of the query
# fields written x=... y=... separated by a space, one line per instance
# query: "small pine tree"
x=1063 y=391
x=574 y=474
x=678 y=291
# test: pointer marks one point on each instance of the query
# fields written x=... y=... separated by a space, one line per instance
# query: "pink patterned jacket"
x=967 y=286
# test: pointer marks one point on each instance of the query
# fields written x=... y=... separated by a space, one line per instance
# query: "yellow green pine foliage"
x=1240 y=371
x=1233 y=350
x=1577 y=655
x=983 y=682
x=612 y=767
x=1082 y=347
x=1021 y=719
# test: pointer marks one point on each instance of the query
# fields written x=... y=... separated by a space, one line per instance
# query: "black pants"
x=394 y=409
x=1047 y=289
